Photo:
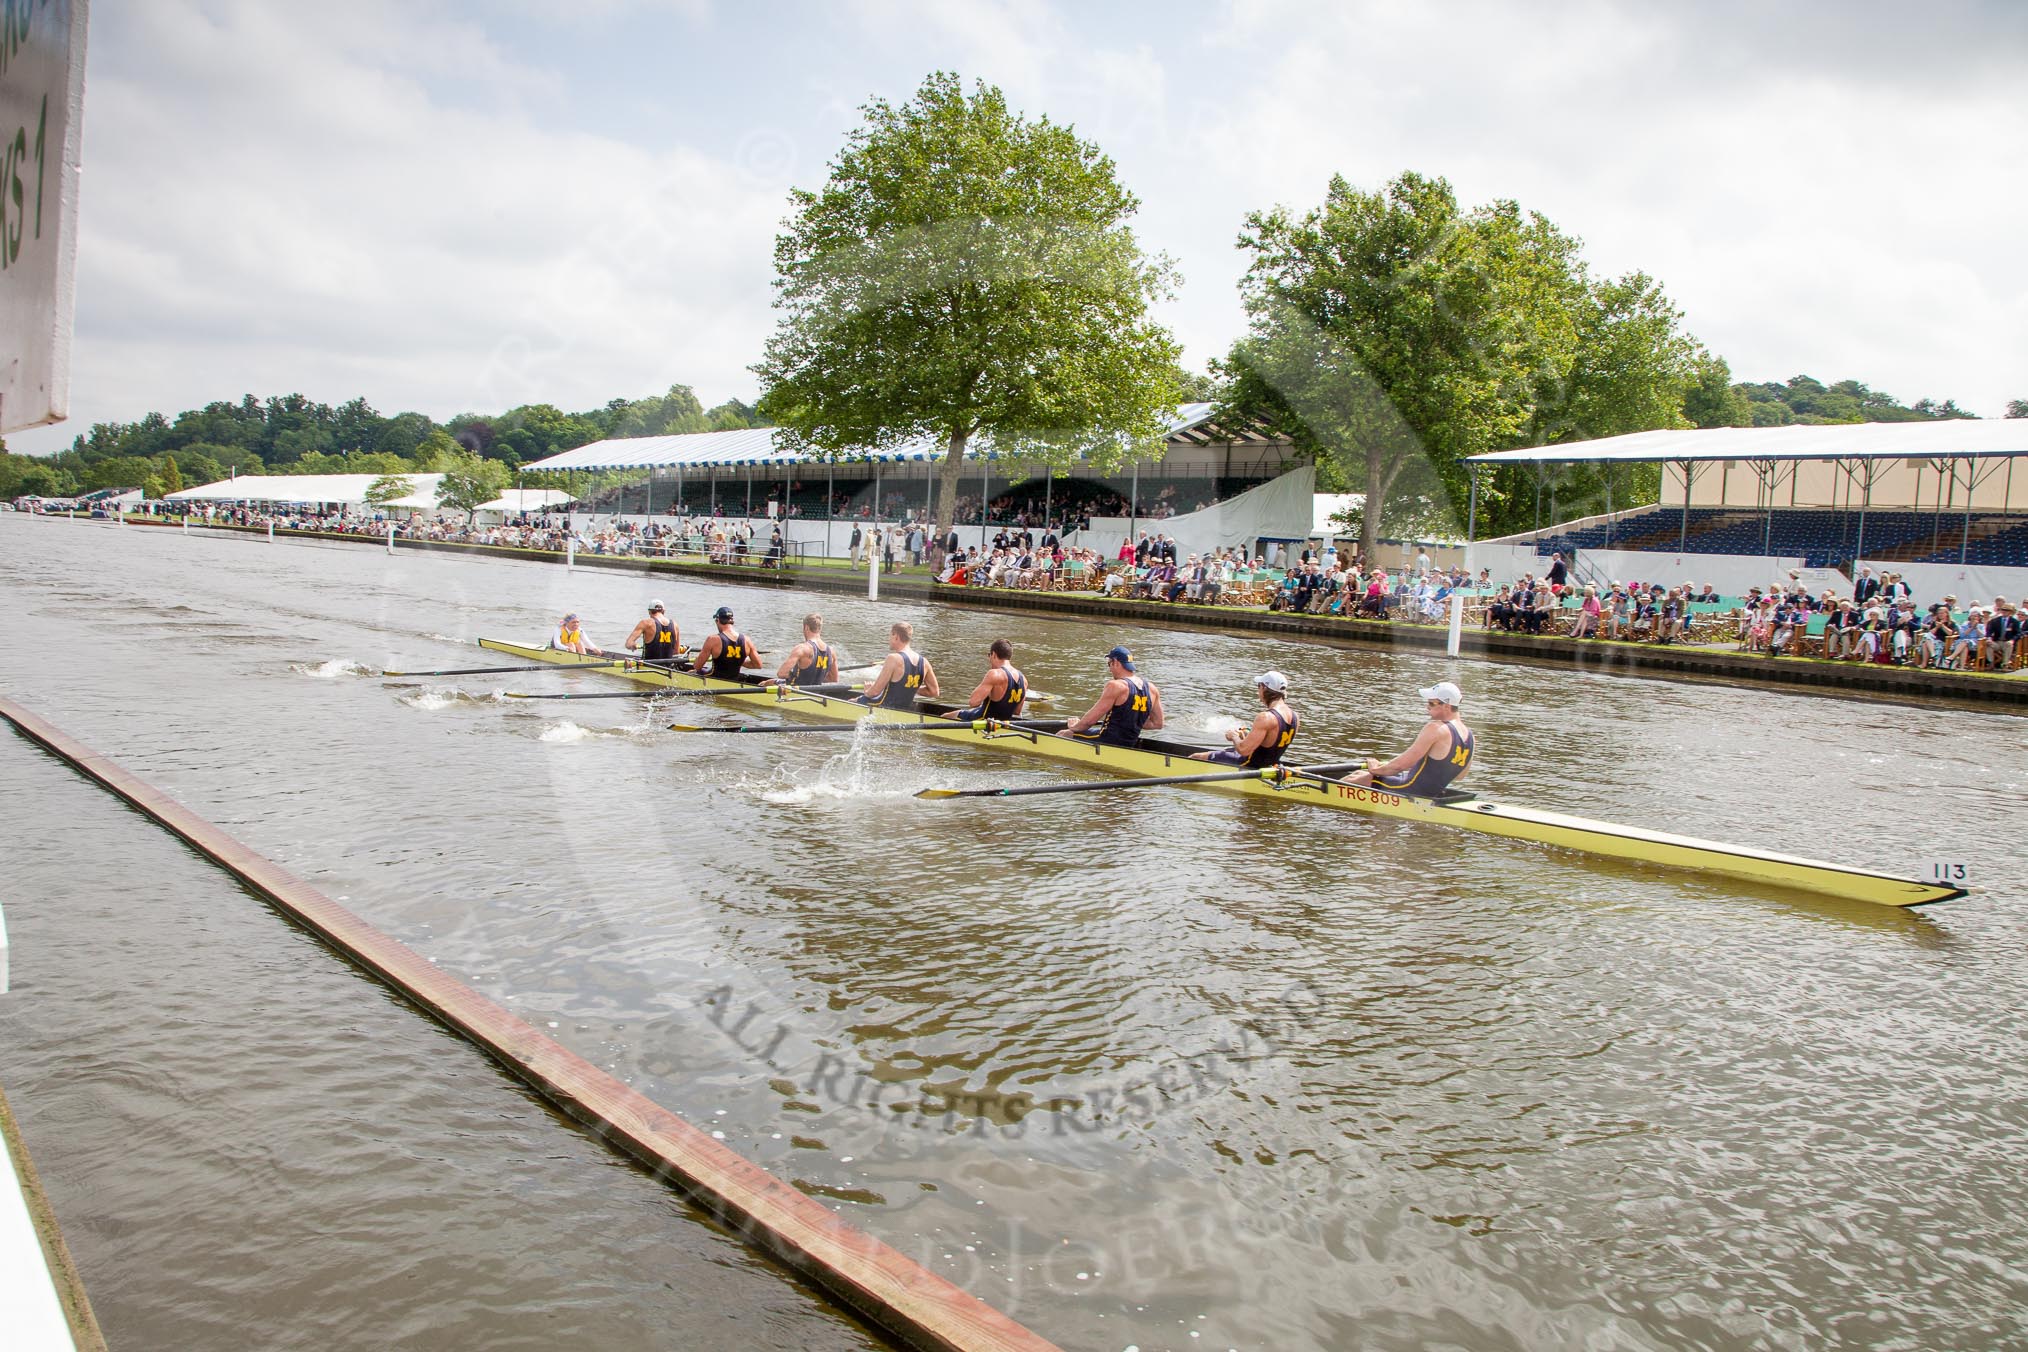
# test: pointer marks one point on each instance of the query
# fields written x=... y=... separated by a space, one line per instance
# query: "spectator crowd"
x=1881 y=622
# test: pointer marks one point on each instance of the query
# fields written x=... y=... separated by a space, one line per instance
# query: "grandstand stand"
x=1823 y=537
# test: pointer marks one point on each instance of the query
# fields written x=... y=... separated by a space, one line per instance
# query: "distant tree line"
x=1804 y=400
x=290 y=434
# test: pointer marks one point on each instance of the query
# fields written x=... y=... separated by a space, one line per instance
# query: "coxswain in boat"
x=1129 y=706
x=655 y=636
x=813 y=661
x=570 y=639
x=1274 y=727
x=726 y=652
x=1441 y=752
x=1001 y=692
x=905 y=674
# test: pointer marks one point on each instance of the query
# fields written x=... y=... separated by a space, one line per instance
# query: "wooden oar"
x=547 y=666
x=933 y=725
x=1269 y=775
x=649 y=693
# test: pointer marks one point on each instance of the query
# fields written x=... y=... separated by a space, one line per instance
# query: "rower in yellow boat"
x=905 y=674
x=1440 y=753
x=655 y=636
x=1127 y=707
x=727 y=652
x=811 y=662
x=570 y=638
x=1001 y=692
x=1267 y=738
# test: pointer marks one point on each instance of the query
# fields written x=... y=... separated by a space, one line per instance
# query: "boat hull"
x=1464 y=812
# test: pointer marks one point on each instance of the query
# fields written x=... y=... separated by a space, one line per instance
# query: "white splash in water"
x=855 y=772
x=1220 y=724
x=328 y=671
x=565 y=732
x=797 y=794
x=434 y=697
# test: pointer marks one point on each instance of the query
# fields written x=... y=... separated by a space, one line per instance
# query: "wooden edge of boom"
x=903 y=1298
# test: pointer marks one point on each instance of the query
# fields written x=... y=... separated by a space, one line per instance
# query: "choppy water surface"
x=1156 y=1069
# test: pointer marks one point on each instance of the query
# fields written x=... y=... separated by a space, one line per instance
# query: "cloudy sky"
x=447 y=206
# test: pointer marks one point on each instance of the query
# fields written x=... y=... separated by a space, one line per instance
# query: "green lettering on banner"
x=41 y=161
x=10 y=222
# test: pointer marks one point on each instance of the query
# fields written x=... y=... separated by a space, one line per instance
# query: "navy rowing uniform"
x=1433 y=775
x=1123 y=721
x=1009 y=704
x=731 y=656
x=1268 y=752
x=902 y=690
x=823 y=668
x=660 y=646
x=1005 y=707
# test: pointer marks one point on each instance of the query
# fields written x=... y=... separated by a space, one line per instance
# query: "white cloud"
x=269 y=207
x=1812 y=203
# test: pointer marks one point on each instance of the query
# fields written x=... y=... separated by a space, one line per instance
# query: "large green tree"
x=1712 y=400
x=967 y=271
x=469 y=482
x=1394 y=334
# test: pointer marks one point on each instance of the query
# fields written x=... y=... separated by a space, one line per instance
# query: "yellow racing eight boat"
x=1159 y=757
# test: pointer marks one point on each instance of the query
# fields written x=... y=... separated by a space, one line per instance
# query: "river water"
x=1161 y=1070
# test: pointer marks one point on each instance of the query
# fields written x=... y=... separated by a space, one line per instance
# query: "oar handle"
x=857 y=724
x=1271 y=774
x=490 y=671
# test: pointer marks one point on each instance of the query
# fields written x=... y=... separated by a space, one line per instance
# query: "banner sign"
x=42 y=53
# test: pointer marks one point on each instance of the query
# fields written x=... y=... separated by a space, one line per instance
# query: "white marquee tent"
x=310 y=490
x=517 y=500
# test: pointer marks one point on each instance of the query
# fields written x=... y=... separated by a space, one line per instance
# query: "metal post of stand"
x=1971 y=487
x=1683 y=535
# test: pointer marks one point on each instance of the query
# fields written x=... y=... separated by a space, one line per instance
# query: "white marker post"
x=390 y=537
x=1457 y=622
x=271 y=530
x=873 y=565
x=570 y=551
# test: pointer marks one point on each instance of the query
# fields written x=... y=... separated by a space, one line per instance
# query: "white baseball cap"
x=1272 y=680
x=1444 y=692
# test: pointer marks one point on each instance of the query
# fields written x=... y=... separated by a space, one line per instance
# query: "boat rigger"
x=1158 y=757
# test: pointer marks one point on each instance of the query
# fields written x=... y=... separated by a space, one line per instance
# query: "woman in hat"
x=570 y=638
